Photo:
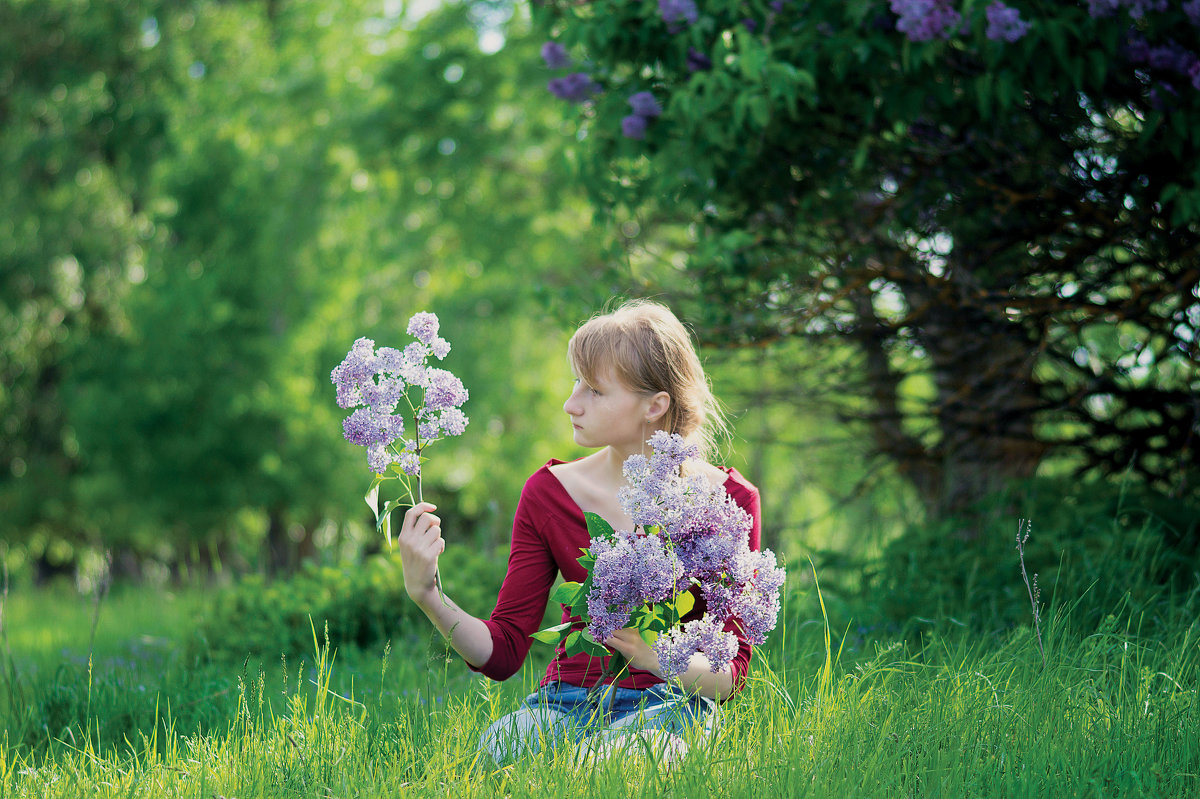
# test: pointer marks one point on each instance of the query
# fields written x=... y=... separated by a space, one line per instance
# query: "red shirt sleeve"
x=524 y=592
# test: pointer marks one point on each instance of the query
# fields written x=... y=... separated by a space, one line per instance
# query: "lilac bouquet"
x=402 y=406
x=688 y=537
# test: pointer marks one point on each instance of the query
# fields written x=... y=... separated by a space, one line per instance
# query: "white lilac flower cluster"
x=687 y=533
x=377 y=382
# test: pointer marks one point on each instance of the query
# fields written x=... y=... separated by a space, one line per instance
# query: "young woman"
x=637 y=372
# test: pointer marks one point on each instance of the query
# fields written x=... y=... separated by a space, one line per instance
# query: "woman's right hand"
x=420 y=543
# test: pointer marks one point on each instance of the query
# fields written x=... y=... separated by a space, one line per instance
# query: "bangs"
x=604 y=347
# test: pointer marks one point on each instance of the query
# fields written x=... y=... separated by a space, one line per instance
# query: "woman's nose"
x=571 y=406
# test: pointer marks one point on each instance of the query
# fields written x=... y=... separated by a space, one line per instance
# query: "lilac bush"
x=697 y=61
x=402 y=404
x=575 y=88
x=644 y=105
x=555 y=56
x=689 y=539
x=1192 y=9
x=676 y=11
x=633 y=126
x=922 y=20
x=645 y=108
x=1005 y=23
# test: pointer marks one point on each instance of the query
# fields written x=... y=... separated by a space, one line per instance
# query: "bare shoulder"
x=569 y=469
x=575 y=474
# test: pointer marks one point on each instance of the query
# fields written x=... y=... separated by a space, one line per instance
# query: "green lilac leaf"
x=567 y=593
x=552 y=635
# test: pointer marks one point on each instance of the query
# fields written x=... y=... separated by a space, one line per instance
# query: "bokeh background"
x=939 y=286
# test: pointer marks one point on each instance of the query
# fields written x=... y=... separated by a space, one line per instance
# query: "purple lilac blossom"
x=353 y=373
x=367 y=426
x=644 y=105
x=718 y=645
x=1192 y=9
x=1162 y=96
x=1102 y=8
x=629 y=571
x=1138 y=8
x=922 y=20
x=555 y=55
x=444 y=390
x=633 y=126
x=697 y=61
x=379 y=458
x=1171 y=56
x=757 y=607
x=410 y=463
x=673 y=11
x=575 y=88
x=1005 y=23
x=423 y=326
x=452 y=422
x=379 y=381
x=1137 y=49
x=692 y=533
x=675 y=648
x=411 y=368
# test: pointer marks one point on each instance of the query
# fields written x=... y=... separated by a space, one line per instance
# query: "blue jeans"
x=559 y=713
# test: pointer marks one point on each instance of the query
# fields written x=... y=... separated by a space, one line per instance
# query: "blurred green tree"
x=304 y=183
x=79 y=134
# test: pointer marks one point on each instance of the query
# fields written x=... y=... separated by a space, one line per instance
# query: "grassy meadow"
x=844 y=705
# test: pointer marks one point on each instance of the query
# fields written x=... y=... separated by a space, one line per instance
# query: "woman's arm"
x=698 y=677
x=420 y=542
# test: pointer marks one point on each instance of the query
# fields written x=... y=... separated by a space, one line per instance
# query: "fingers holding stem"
x=421 y=543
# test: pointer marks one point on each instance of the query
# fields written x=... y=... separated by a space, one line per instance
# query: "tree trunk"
x=278 y=554
x=982 y=368
x=287 y=546
x=981 y=416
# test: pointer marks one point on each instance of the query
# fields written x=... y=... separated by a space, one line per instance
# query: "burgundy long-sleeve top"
x=549 y=534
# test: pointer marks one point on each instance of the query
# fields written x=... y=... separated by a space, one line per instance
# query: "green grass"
x=934 y=709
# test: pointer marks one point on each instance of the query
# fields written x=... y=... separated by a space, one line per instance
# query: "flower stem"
x=615 y=666
x=437 y=573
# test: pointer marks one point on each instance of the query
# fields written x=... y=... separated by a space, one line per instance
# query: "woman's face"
x=607 y=413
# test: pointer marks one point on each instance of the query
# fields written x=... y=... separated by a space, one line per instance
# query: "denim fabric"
x=559 y=713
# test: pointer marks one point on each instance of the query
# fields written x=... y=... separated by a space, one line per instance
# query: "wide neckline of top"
x=730 y=471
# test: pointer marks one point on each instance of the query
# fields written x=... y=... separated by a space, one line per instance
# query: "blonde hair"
x=649 y=350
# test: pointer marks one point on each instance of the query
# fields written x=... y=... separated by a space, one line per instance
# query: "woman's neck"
x=610 y=463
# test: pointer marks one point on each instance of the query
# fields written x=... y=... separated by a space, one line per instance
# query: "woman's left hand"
x=628 y=641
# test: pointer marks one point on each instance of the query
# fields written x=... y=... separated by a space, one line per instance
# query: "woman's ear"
x=659 y=404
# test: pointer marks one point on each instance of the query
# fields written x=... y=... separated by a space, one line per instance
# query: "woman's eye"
x=577 y=382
